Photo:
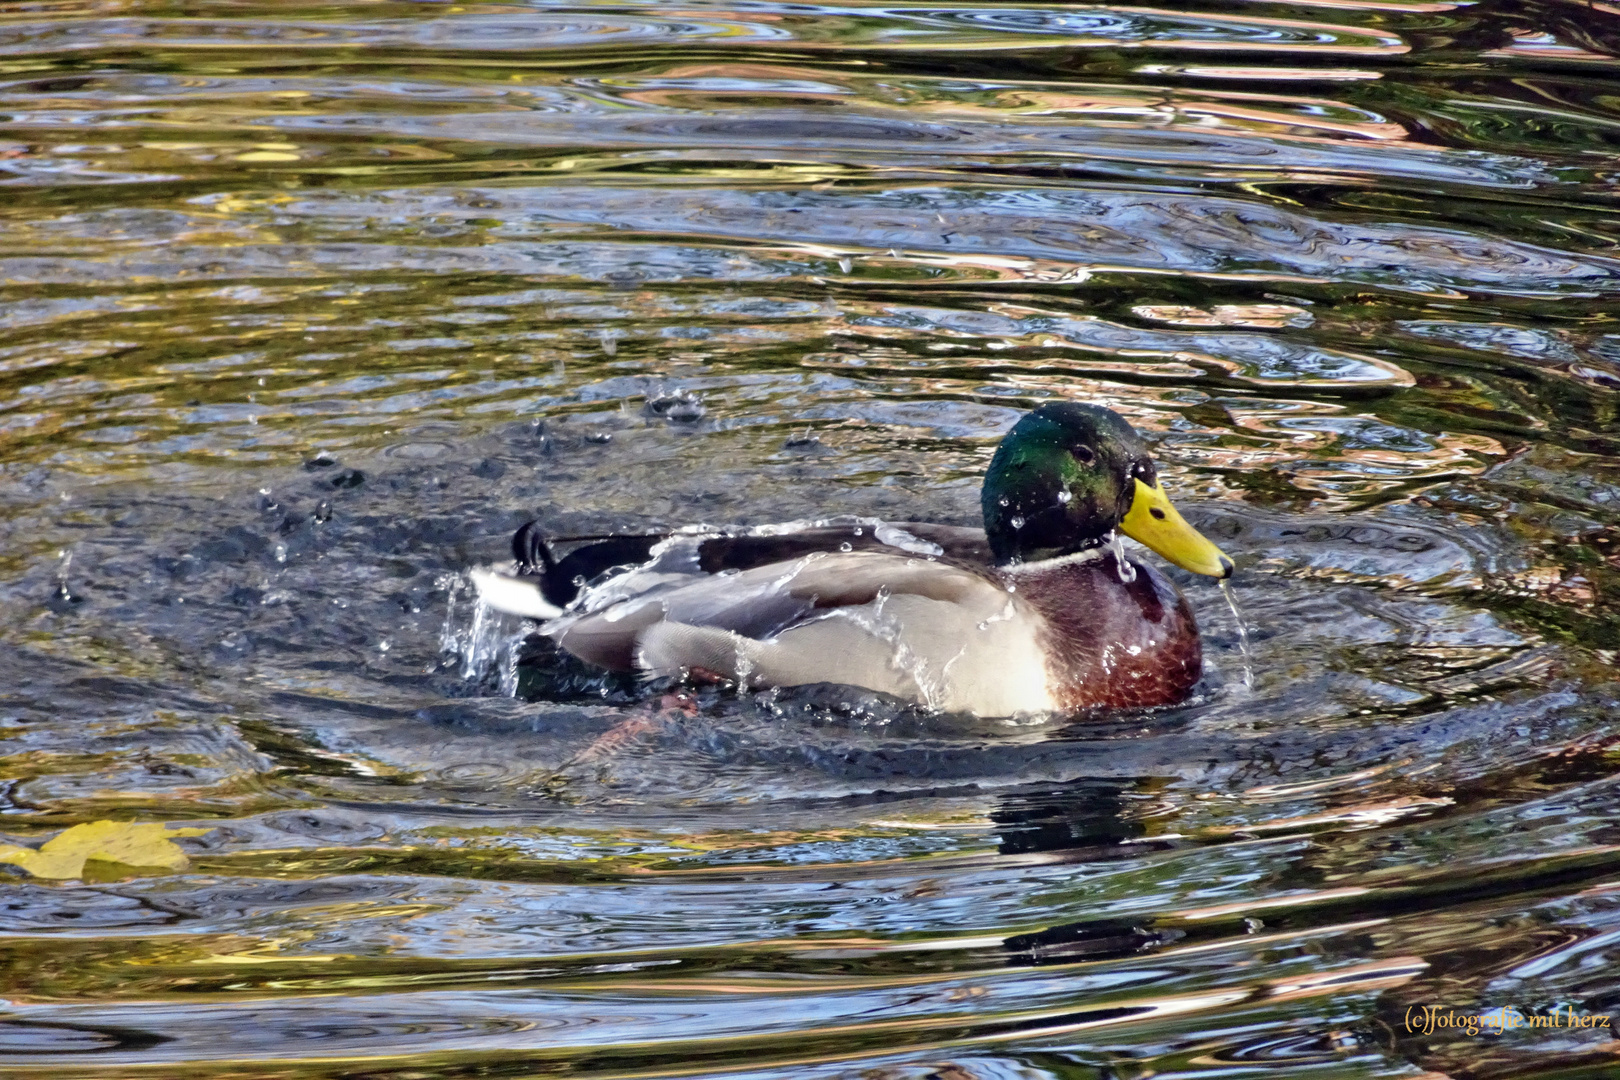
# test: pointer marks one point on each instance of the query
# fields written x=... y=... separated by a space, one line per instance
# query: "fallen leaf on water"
x=129 y=843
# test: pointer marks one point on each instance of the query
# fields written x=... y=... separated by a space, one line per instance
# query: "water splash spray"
x=488 y=643
x=1116 y=545
x=1242 y=631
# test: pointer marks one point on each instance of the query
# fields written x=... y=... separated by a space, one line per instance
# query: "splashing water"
x=449 y=636
x=1242 y=632
x=1116 y=545
x=278 y=381
x=487 y=643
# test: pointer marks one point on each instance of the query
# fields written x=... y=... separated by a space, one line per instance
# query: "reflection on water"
x=307 y=306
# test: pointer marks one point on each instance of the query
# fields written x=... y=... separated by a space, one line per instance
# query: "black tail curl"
x=531 y=551
x=562 y=579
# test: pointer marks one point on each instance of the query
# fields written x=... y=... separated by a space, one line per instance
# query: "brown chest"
x=1113 y=643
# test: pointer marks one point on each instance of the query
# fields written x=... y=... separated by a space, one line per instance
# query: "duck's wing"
x=934 y=631
x=774 y=544
x=546 y=584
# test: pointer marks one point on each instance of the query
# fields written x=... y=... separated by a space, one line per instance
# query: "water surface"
x=307 y=306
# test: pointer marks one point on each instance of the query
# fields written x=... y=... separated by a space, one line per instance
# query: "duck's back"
x=938 y=631
x=952 y=633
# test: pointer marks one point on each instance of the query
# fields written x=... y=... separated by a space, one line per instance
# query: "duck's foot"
x=672 y=708
x=678 y=702
x=705 y=677
x=614 y=739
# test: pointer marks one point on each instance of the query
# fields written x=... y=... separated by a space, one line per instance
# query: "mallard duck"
x=1040 y=611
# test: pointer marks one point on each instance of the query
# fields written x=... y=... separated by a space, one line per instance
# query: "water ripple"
x=309 y=306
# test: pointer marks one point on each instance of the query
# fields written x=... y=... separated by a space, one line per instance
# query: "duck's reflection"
x=1091 y=819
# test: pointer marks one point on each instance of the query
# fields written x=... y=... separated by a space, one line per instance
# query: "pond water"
x=309 y=305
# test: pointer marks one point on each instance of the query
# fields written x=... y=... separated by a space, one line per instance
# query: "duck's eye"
x=1085 y=454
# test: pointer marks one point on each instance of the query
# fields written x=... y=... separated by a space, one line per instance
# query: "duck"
x=1039 y=612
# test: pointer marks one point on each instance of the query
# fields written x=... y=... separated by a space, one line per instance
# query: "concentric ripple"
x=309 y=305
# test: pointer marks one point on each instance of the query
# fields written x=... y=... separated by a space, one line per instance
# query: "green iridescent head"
x=1067 y=476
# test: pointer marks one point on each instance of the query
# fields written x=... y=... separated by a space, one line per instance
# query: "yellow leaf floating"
x=129 y=843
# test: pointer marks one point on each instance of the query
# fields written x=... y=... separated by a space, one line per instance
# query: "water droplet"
x=1016 y=521
x=1243 y=632
x=846 y=546
x=1127 y=572
x=1065 y=496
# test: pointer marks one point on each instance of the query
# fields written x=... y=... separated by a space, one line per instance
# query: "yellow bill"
x=1154 y=523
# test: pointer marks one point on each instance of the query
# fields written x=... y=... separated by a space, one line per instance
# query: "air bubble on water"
x=846 y=546
x=65 y=557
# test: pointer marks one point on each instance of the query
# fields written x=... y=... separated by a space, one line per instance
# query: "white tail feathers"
x=513 y=595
